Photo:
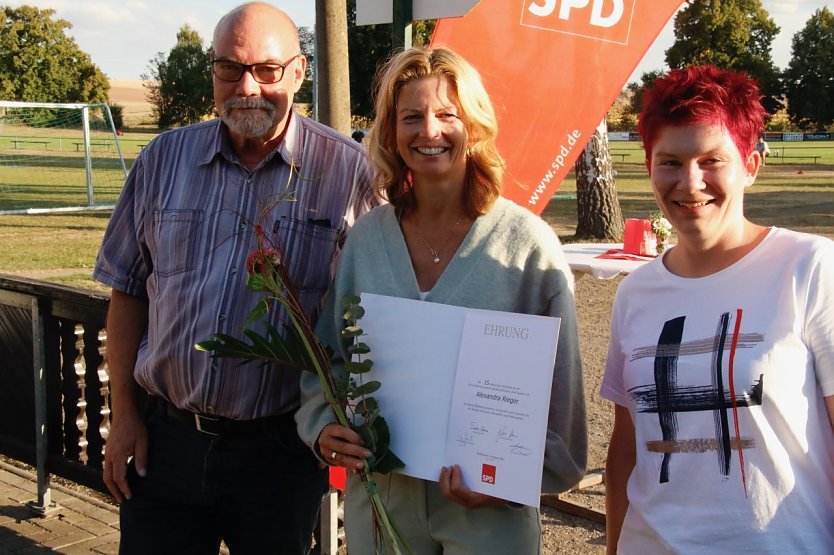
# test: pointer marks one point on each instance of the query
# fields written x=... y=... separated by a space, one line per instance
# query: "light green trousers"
x=433 y=525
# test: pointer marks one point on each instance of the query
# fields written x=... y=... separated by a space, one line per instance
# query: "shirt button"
x=233 y=271
x=222 y=317
x=210 y=409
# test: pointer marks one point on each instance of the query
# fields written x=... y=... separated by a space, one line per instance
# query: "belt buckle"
x=199 y=420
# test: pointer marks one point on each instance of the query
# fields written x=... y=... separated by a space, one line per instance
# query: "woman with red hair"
x=721 y=359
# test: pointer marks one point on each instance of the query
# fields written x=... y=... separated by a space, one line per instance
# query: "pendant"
x=436 y=259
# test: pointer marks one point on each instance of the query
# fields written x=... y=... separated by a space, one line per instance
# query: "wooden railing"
x=54 y=390
x=54 y=394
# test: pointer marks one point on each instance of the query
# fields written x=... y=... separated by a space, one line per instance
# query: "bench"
x=796 y=157
x=79 y=144
x=30 y=141
x=622 y=155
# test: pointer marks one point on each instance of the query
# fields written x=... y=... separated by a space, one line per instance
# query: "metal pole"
x=44 y=505
x=330 y=523
x=88 y=164
x=106 y=109
x=401 y=28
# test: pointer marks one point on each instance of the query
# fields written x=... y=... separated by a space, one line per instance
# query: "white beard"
x=250 y=123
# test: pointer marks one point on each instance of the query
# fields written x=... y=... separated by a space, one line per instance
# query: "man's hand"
x=128 y=438
x=127 y=319
x=452 y=488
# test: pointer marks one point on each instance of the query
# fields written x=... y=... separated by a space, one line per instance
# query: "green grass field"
x=780 y=152
x=40 y=169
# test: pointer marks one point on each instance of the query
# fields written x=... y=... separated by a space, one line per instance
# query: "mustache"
x=247 y=103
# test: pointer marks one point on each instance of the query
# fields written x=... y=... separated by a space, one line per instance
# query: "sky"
x=121 y=36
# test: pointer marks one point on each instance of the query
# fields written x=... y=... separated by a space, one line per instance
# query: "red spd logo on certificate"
x=488 y=474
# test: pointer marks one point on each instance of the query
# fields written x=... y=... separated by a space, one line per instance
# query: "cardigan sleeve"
x=566 y=445
x=315 y=413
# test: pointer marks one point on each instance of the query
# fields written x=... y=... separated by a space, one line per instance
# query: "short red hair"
x=703 y=94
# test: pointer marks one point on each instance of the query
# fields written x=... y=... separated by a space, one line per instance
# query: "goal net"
x=58 y=157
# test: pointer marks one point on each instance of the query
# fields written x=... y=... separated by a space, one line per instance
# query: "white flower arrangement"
x=660 y=225
x=661 y=228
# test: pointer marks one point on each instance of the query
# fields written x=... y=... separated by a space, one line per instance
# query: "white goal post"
x=57 y=157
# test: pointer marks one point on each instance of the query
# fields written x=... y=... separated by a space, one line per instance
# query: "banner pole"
x=401 y=28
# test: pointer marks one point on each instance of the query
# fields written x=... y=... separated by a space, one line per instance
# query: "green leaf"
x=368 y=404
x=207 y=345
x=364 y=389
x=368 y=408
x=261 y=309
x=354 y=313
x=274 y=347
x=369 y=437
x=261 y=345
x=256 y=282
x=384 y=459
x=359 y=367
x=382 y=434
x=388 y=463
x=359 y=348
x=350 y=332
x=350 y=300
x=226 y=346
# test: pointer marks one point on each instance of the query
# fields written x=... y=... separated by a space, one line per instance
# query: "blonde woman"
x=448 y=237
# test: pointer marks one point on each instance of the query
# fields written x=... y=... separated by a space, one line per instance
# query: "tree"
x=735 y=35
x=307 y=40
x=370 y=46
x=40 y=63
x=809 y=78
x=598 y=211
x=117 y=112
x=637 y=91
x=179 y=84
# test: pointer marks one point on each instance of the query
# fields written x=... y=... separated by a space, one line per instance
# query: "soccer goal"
x=58 y=158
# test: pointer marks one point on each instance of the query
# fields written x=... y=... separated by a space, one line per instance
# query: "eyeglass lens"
x=233 y=71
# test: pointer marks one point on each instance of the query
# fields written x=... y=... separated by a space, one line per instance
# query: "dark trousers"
x=259 y=492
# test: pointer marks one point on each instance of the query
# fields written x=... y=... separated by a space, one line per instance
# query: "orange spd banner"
x=553 y=68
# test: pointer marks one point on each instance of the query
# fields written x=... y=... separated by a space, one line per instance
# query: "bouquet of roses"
x=348 y=395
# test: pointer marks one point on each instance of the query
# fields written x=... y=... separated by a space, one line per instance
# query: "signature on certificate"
x=518 y=449
x=465 y=438
x=476 y=428
x=505 y=434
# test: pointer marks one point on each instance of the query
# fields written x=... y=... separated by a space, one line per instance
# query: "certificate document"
x=464 y=386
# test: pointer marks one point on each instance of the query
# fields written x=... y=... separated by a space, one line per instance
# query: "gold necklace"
x=435 y=253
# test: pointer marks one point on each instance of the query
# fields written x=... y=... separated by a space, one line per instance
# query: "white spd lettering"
x=598 y=19
x=487 y=478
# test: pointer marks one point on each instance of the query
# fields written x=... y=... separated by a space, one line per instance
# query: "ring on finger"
x=333 y=455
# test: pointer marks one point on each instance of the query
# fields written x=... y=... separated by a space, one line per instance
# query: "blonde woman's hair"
x=484 y=165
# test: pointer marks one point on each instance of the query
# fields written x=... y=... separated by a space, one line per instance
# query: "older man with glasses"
x=204 y=450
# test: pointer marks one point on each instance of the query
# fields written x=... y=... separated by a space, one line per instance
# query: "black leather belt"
x=218 y=425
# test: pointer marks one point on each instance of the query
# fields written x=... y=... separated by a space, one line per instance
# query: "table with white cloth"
x=582 y=259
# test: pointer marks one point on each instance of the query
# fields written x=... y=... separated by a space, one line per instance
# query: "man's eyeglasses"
x=265 y=74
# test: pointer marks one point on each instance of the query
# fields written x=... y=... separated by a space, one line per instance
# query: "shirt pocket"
x=176 y=233
x=310 y=246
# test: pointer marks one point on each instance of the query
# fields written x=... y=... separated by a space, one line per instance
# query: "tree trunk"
x=597 y=207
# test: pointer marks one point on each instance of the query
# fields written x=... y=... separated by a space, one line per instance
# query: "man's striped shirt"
x=187 y=219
